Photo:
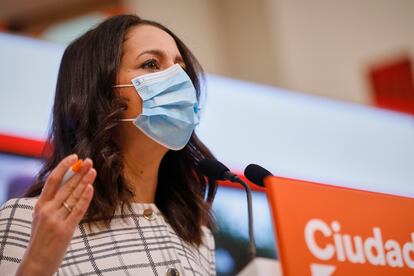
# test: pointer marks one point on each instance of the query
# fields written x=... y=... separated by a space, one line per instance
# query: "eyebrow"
x=160 y=53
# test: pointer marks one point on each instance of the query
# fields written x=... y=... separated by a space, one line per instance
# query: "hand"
x=53 y=225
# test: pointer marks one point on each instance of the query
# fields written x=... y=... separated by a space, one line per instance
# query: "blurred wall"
x=322 y=47
x=328 y=46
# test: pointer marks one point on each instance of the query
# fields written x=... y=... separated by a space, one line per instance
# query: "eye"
x=150 y=65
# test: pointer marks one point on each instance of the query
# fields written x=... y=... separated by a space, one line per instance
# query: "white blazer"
x=135 y=244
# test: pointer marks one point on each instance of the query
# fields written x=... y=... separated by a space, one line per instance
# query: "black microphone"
x=256 y=174
x=216 y=170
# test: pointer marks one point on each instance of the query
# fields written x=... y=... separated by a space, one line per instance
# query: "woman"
x=126 y=98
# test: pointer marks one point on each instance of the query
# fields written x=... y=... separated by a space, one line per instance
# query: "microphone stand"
x=255 y=265
x=252 y=244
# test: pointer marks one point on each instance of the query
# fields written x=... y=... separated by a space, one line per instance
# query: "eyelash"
x=149 y=65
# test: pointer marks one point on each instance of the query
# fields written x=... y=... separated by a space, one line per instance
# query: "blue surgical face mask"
x=169 y=106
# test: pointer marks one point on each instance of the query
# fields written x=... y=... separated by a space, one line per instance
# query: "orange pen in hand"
x=73 y=169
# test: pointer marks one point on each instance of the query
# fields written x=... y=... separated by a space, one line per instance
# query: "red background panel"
x=393 y=85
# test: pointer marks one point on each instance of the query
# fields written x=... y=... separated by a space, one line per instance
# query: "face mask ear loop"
x=122 y=85
x=126 y=120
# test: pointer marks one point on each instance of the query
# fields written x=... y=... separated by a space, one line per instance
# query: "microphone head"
x=256 y=174
x=213 y=169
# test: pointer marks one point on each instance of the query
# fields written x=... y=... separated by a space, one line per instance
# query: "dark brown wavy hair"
x=86 y=113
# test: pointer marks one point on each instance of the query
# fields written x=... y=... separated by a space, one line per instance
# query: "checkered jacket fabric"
x=132 y=245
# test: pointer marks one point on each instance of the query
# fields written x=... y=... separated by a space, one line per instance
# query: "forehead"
x=147 y=37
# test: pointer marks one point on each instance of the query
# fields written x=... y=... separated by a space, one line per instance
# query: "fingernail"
x=73 y=157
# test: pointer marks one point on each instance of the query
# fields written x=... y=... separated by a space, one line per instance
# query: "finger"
x=77 y=193
x=53 y=180
x=72 y=183
x=81 y=207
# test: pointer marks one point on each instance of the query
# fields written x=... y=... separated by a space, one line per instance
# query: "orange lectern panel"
x=327 y=230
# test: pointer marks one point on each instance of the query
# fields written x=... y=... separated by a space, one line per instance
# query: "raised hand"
x=56 y=215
